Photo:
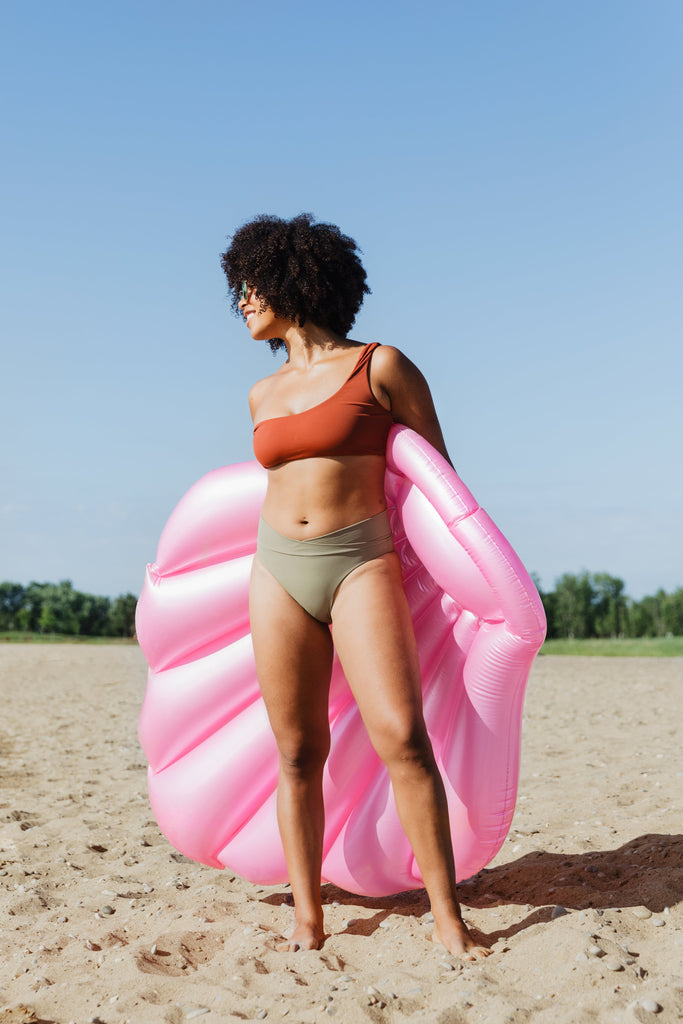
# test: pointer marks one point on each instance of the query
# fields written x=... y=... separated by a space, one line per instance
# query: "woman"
x=325 y=554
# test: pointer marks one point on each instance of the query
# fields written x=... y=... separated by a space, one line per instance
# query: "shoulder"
x=390 y=359
x=258 y=392
x=398 y=383
x=393 y=371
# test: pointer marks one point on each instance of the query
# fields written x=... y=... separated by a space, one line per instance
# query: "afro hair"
x=302 y=270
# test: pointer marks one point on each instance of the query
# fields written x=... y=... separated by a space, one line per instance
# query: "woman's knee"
x=404 y=745
x=303 y=756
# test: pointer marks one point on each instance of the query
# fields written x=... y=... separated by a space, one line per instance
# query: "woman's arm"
x=397 y=383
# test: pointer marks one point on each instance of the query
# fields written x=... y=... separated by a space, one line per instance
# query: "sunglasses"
x=244 y=291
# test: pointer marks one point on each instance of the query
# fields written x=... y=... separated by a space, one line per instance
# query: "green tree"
x=28 y=616
x=92 y=614
x=646 y=617
x=59 y=611
x=11 y=602
x=672 y=612
x=122 y=616
x=609 y=605
x=574 y=600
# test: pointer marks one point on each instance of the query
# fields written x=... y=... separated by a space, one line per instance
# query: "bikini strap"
x=364 y=360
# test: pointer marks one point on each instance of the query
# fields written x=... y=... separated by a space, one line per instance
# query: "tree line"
x=596 y=605
x=580 y=606
x=58 y=608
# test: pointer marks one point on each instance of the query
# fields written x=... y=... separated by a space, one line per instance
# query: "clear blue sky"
x=513 y=173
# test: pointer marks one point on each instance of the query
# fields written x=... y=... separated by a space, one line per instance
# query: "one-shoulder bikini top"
x=350 y=422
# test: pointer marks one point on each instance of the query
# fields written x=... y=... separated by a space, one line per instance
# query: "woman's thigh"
x=374 y=637
x=293 y=653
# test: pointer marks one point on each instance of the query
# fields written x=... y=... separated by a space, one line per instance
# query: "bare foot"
x=458 y=941
x=305 y=936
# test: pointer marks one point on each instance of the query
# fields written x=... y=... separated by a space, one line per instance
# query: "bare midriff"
x=311 y=497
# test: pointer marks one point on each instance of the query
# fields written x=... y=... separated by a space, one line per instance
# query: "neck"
x=306 y=344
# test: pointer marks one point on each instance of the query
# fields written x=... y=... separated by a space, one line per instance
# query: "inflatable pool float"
x=213 y=762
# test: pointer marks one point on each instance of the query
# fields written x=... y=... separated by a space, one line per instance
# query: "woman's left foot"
x=304 y=937
x=458 y=941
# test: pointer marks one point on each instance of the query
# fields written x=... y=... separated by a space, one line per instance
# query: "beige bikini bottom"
x=311 y=570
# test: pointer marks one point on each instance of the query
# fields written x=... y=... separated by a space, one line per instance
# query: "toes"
x=297 y=945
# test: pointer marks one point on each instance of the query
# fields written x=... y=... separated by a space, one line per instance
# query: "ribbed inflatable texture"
x=479 y=623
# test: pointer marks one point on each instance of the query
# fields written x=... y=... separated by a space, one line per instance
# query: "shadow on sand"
x=647 y=871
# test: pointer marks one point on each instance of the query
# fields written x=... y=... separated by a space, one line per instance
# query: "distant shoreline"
x=11 y=636
x=614 y=647
x=618 y=647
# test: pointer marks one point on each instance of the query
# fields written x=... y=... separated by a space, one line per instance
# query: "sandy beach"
x=103 y=921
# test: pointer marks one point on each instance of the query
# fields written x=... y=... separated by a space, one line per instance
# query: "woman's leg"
x=373 y=634
x=294 y=662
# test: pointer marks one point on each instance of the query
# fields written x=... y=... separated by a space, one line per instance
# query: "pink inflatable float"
x=213 y=762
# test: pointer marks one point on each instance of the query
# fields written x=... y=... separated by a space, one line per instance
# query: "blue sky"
x=512 y=173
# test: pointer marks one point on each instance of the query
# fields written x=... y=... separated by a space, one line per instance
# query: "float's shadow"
x=579 y=881
x=576 y=881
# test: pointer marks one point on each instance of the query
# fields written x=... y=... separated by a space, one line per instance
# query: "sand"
x=103 y=921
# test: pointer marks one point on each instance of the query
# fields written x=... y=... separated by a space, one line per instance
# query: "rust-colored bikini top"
x=350 y=422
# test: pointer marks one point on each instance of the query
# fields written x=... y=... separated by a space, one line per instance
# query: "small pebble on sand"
x=650 y=1005
x=613 y=965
